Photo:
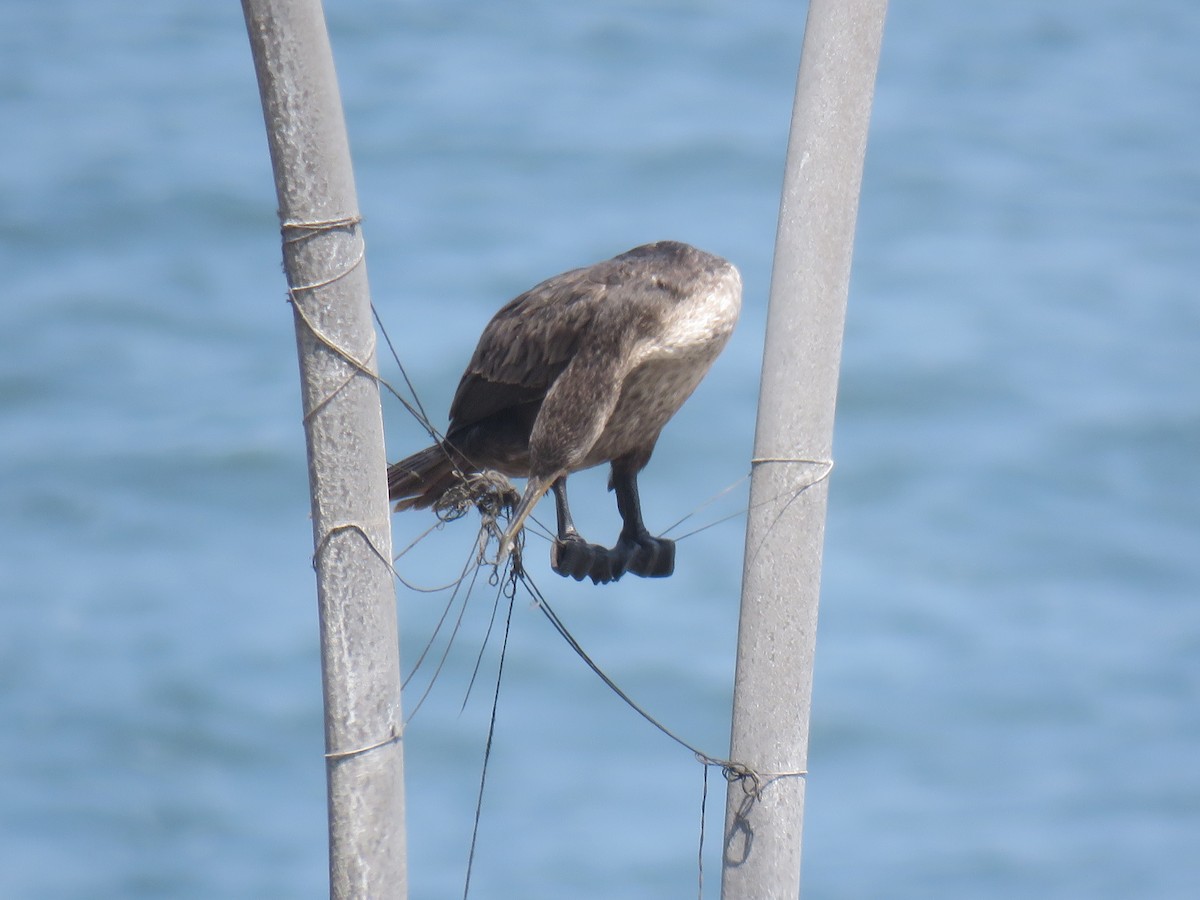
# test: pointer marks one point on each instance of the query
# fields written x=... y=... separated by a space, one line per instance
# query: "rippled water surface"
x=1008 y=676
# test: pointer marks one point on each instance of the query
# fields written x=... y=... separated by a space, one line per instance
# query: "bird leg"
x=636 y=550
x=640 y=552
x=572 y=556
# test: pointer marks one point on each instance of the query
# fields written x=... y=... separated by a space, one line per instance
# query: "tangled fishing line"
x=493 y=498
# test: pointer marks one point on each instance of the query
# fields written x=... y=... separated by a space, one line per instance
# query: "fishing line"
x=543 y=604
x=487 y=748
x=703 y=505
x=474 y=567
x=791 y=493
x=415 y=408
x=487 y=494
x=487 y=636
x=752 y=781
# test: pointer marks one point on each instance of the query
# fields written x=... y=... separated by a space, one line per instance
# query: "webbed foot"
x=573 y=557
x=646 y=556
x=649 y=557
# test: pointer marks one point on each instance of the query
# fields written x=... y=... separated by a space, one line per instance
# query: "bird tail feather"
x=419 y=481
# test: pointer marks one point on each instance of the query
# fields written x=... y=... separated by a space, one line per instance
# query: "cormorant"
x=583 y=369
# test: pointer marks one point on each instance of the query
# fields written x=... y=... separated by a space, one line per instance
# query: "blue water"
x=1008 y=677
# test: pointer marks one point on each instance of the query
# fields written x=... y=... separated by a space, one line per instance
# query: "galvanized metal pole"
x=793 y=448
x=327 y=279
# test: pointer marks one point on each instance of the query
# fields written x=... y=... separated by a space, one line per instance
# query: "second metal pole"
x=793 y=448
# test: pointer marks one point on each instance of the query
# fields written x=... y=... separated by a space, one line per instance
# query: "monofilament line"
x=487 y=748
x=733 y=770
x=753 y=782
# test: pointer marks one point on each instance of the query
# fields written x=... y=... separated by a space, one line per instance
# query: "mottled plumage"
x=585 y=368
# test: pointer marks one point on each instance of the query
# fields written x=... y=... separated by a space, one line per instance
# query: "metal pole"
x=327 y=280
x=793 y=448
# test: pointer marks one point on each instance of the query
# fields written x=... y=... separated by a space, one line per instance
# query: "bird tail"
x=419 y=481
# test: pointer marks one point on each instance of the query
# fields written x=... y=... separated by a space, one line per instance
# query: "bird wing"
x=527 y=344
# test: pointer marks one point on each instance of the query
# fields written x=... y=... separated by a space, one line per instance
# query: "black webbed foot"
x=646 y=556
x=573 y=557
x=636 y=551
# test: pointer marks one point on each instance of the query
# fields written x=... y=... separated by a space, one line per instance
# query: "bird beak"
x=535 y=489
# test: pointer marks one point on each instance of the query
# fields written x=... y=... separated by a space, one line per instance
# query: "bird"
x=583 y=369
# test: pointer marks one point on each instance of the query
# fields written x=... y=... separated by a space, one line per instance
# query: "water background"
x=1008 y=677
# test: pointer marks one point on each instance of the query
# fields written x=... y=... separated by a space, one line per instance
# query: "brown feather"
x=420 y=480
x=584 y=368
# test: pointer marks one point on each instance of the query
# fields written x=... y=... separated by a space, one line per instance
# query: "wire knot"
x=488 y=492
